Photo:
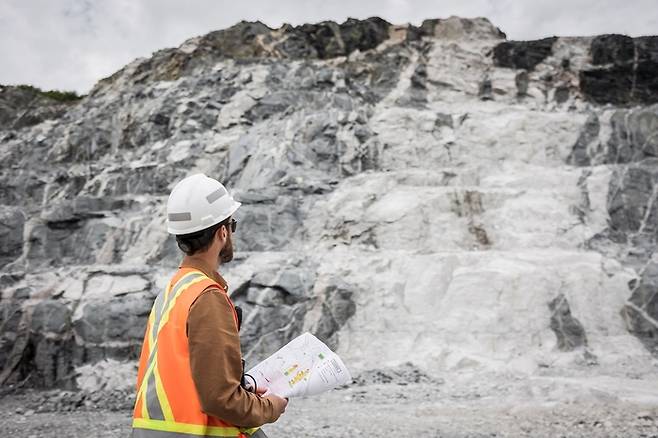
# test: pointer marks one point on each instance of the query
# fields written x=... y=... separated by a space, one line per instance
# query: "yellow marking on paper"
x=290 y=370
x=298 y=377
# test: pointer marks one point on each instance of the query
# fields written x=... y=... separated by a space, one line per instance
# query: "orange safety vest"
x=167 y=403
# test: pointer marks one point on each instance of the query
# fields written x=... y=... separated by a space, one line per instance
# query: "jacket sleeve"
x=216 y=363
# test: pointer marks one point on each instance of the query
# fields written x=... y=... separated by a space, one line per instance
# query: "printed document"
x=304 y=366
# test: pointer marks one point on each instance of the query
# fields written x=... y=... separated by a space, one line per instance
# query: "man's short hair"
x=199 y=241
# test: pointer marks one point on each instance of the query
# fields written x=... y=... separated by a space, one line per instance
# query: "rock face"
x=27 y=106
x=641 y=310
x=524 y=55
x=435 y=195
x=624 y=70
x=568 y=330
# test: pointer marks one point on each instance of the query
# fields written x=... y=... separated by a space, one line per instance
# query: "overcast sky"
x=71 y=44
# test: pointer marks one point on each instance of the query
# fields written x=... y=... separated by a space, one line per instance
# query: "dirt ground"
x=378 y=410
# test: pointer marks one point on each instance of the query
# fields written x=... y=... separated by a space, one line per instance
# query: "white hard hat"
x=196 y=203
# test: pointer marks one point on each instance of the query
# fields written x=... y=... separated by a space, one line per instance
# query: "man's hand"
x=279 y=404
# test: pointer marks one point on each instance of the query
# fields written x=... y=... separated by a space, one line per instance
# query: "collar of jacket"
x=209 y=271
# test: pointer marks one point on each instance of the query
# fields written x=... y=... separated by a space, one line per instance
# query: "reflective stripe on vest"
x=164 y=375
x=153 y=433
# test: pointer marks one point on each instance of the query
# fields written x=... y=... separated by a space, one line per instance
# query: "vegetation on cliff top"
x=58 y=95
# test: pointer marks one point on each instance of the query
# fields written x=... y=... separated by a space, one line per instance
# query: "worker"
x=190 y=377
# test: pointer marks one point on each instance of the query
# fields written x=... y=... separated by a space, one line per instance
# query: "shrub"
x=60 y=96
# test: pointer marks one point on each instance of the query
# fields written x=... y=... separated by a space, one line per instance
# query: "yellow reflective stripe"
x=192 y=429
x=147 y=374
x=165 y=298
x=149 y=332
x=148 y=346
x=165 y=316
x=162 y=396
x=142 y=394
x=249 y=431
x=143 y=390
x=165 y=312
x=166 y=294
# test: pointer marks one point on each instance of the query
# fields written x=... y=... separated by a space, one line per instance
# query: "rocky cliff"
x=23 y=105
x=433 y=194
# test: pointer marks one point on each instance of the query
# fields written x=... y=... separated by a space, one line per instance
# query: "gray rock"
x=52 y=361
x=521 y=80
x=334 y=305
x=562 y=94
x=624 y=70
x=121 y=319
x=330 y=40
x=641 y=311
x=353 y=147
x=485 y=92
x=634 y=135
x=23 y=106
x=612 y=49
x=12 y=220
x=266 y=329
x=523 y=54
x=458 y=28
x=51 y=316
x=289 y=281
x=568 y=330
x=587 y=144
x=633 y=212
x=269 y=225
x=401 y=375
x=266 y=297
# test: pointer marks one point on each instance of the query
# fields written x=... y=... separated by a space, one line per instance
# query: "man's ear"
x=221 y=234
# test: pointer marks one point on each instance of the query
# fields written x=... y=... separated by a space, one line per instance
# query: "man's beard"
x=226 y=253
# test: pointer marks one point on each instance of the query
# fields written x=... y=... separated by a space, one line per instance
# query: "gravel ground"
x=385 y=405
x=388 y=411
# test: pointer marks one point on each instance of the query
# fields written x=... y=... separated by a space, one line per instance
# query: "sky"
x=71 y=44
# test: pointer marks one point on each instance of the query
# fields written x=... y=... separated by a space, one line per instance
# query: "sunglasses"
x=233 y=225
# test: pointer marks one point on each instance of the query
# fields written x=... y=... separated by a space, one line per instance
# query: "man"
x=190 y=368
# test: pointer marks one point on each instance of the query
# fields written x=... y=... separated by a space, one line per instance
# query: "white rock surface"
x=417 y=200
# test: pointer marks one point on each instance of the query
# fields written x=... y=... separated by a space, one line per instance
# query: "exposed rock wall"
x=432 y=194
x=623 y=71
x=22 y=106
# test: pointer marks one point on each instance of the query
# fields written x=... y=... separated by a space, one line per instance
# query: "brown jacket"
x=216 y=359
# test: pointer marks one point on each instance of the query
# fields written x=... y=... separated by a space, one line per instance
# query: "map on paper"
x=304 y=366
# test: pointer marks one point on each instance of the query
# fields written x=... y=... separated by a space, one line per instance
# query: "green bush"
x=60 y=96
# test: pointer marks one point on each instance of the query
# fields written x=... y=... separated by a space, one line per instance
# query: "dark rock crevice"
x=641 y=311
x=586 y=145
x=568 y=330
